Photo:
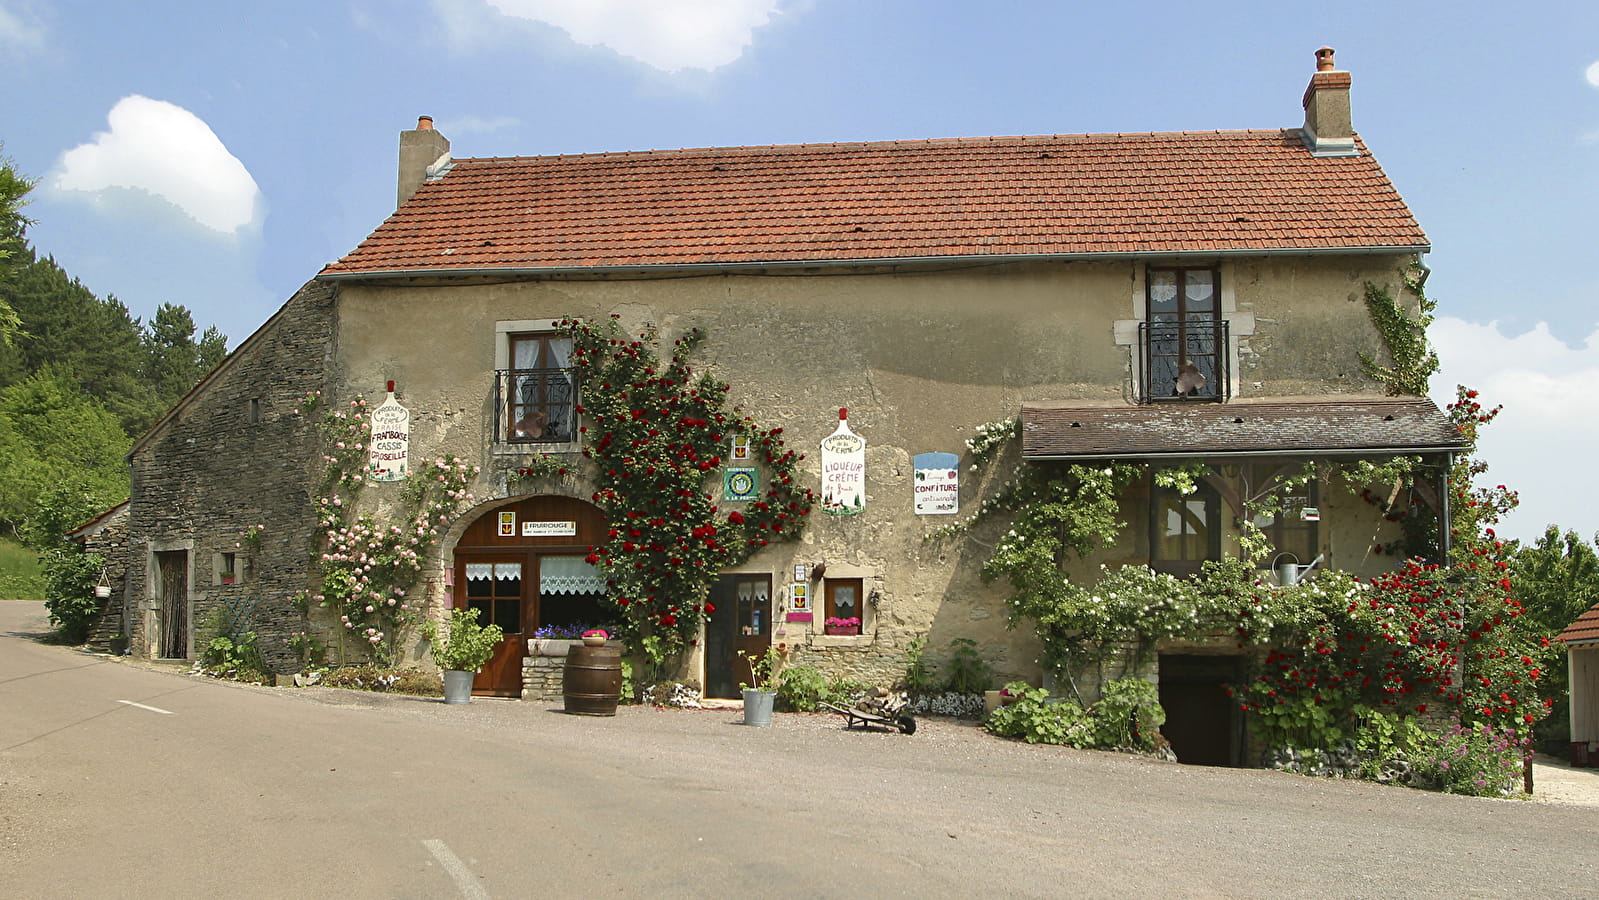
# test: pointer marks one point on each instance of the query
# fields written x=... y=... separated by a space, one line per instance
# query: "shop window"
x=845 y=605
x=536 y=394
x=1184 y=529
x=571 y=594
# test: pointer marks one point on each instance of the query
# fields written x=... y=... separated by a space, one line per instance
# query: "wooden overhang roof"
x=894 y=202
x=1585 y=631
x=1242 y=428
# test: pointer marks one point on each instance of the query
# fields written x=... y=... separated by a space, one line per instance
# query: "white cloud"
x=19 y=27
x=670 y=35
x=165 y=150
x=1550 y=422
x=1593 y=74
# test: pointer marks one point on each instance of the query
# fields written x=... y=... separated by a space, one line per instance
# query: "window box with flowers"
x=837 y=626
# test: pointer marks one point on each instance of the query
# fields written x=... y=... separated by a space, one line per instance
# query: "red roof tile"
x=1107 y=194
x=1585 y=630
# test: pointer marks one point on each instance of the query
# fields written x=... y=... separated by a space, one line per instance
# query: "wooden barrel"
x=592 y=680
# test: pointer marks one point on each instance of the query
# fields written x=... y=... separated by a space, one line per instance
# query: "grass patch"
x=21 y=577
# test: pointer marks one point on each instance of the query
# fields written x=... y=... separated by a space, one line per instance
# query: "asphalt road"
x=122 y=779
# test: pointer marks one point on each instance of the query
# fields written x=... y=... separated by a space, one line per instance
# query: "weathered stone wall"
x=920 y=359
x=234 y=454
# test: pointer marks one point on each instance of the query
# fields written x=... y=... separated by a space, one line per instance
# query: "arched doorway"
x=521 y=566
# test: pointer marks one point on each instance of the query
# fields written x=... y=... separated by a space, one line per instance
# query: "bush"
x=69 y=579
x=1037 y=719
x=1482 y=761
x=389 y=680
x=968 y=673
x=1127 y=717
x=918 y=675
x=467 y=646
x=234 y=657
x=805 y=689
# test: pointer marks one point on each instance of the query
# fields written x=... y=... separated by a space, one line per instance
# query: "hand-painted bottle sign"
x=390 y=447
x=843 y=470
x=936 y=483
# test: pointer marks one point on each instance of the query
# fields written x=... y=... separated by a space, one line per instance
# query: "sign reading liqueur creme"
x=937 y=484
x=843 y=470
x=390 y=447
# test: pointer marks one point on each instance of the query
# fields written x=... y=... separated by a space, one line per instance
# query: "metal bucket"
x=758 y=708
x=458 y=686
x=591 y=682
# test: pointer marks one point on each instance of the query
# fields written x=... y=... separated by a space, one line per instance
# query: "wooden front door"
x=494 y=586
x=172 y=599
x=498 y=566
x=740 y=623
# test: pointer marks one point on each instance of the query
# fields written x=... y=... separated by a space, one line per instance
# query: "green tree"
x=51 y=434
x=1557 y=580
x=174 y=360
x=13 y=226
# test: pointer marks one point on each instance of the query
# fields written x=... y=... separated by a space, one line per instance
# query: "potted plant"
x=761 y=691
x=462 y=652
x=835 y=625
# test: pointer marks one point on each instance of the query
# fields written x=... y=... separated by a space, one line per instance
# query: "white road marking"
x=154 y=709
x=463 y=877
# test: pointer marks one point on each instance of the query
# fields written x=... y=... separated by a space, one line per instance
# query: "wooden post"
x=1526 y=773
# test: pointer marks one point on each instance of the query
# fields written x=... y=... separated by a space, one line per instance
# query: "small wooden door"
x=172 y=596
x=741 y=623
x=495 y=585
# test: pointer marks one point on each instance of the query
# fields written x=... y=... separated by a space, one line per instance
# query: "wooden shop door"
x=495 y=585
x=741 y=622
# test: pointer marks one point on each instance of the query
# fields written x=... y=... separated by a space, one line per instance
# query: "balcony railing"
x=535 y=406
x=1184 y=360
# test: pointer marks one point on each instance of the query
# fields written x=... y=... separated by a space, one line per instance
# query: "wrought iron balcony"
x=1184 y=360
x=535 y=406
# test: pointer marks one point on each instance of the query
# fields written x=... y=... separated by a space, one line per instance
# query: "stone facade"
x=234 y=454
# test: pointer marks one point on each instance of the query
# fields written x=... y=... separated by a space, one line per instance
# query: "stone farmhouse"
x=1191 y=296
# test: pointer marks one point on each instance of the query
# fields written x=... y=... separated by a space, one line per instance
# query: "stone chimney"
x=1328 y=128
x=423 y=152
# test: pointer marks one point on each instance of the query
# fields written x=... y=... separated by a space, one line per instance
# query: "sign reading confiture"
x=390 y=447
x=936 y=484
x=843 y=470
x=549 y=529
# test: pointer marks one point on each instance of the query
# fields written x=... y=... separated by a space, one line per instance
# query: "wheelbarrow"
x=880 y=714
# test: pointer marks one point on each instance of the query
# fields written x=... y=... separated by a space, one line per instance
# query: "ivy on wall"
x=1405 y=337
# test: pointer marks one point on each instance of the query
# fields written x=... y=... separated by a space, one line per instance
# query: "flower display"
x=655 y=434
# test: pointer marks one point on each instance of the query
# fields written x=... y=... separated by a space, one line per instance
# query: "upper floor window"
x=538 y=391
x=1184 y=335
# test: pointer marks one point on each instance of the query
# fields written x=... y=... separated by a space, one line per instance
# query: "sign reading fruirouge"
x=936 y=484
x=390 y=447
x=843 y=470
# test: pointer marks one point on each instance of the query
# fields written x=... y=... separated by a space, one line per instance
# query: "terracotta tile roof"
x=1223 y=192
x=1585 y=630
x=1306 y=426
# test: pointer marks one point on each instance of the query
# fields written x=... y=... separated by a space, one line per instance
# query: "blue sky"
x=216 y=155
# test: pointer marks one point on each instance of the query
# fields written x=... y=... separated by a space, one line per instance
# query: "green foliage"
x=14 y=190
x=21 y=578
x=1556 y=580
x=385 y=679
x=656 y=433
x=69 y=579
x=1405 y=337
x=55 y=441
x=232 y=652
x=968 y=672
x=1481 y=761
x=1382 y=738
x=806 y=688
x=1127 y=717
x=1038 y=719
x=467 y=645
x=919 y=677
x=766 y=669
